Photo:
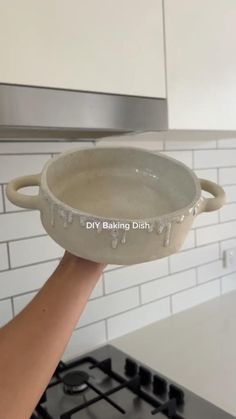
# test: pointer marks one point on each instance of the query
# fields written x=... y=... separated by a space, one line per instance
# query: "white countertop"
x=196 y=348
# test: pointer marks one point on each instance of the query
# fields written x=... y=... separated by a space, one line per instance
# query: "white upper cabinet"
x=95 y=45
x=201 y=64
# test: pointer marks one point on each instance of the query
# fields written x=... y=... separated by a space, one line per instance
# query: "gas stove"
x=106 y=383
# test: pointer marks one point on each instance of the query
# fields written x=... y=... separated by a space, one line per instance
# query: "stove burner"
x=75 y=382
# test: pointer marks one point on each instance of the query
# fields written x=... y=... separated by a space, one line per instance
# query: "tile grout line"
x=22 y=294
x=103 y=285
x=171 y=305
x=166 y=297
x=19 y=295
x=169 y=268
x=105 y=272
x=12 y=307
x=213 y=225
x=37 y=236
x=197 y=275
x=14 y=268
x=220 y=251
x=169 y=272
x=221 y=286
x=3 y=199
x=192 y=287
x=8 y=256
x=140 y=295
x=126 y=311
x=106 y=329
x=162 y=277
x=195 y=238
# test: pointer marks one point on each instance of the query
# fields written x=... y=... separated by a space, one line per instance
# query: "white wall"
x=127 y=297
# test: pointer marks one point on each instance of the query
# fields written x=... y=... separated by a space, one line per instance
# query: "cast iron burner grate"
x=167 y=408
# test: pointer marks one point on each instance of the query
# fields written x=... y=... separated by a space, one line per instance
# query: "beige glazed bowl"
x=117 y=205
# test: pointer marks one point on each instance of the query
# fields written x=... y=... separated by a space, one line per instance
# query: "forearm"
x=33 y=343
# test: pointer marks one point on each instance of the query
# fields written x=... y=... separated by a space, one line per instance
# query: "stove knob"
x=159 y=385
x=177 y=394
x=145 y=376
x=131 y=368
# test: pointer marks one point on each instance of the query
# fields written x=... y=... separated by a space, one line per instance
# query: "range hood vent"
x=40 y=112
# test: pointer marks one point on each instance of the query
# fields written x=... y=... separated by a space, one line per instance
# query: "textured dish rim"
x=179 y=212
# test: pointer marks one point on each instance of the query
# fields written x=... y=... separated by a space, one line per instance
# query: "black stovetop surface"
x=113 y=385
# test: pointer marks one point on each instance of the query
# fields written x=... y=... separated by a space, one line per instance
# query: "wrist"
x=81 y=270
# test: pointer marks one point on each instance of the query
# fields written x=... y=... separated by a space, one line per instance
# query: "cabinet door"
x=97 y=45
x=201 y=63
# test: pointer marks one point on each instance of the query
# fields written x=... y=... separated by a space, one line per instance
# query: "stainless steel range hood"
x=37 y=112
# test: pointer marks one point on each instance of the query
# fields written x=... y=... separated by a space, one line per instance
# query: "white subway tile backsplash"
x=37 y=249
x=227 y=175
x=109 y=305
x=228 y=283
x=14 y=166
x=209 y=271
x=19 y=225
x=215 y=233
x=169 y=285
x=6 y=313
x=183 y=156
x=189 y=241
x=135 y=295
x=111 y=267
x=18 y=281
x=197 y=295
x=212 y=270
x=209 y=174
x=98 y=290
x=133 y=275
x=204 y=159
x=206 y=218
x=22 y=300
x=227 y=244
x=228 y=212
x=230 y=193
x=85 y=339
x=196 y=144
x=194 y=257
x=139 y=317
x=3 y=257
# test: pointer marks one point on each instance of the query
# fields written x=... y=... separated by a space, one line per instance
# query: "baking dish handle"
x=212 y=204
x=21 y=200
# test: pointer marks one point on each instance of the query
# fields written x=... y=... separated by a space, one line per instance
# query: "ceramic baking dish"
x=117 y=205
